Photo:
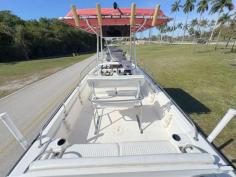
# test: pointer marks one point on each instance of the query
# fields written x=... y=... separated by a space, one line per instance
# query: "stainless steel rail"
x=86 y=70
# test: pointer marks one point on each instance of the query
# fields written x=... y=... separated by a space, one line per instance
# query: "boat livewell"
x=118 y=121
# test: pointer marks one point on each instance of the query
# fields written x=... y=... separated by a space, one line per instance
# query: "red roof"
x=115 y=17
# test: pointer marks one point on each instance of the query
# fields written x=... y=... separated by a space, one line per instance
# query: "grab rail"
x=42 y=129
x=87 y=68
x=109 y=51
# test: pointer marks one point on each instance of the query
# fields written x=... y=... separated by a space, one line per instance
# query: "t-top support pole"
x=87 y=22
x=99 y=17
x=135 y=59
x=155 y=16
x=154 y=20
x=75 y=15
x=101 y=42
x=130 y=47
x=132 y=23
x=97 y=48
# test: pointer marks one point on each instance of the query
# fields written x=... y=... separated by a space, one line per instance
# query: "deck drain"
x=61 y=142
x=176 y=137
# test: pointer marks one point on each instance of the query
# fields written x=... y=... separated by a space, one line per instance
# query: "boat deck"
x=120 y=126
x=117 y=125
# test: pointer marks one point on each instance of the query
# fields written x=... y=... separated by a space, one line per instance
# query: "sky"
x=34 y=9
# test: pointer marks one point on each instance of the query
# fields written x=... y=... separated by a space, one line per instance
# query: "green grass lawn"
x=201 y=80
x=18 y=74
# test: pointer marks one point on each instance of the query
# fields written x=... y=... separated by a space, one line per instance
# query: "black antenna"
x=115 y=6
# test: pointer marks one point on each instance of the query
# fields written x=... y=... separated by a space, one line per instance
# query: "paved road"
x=31 y=106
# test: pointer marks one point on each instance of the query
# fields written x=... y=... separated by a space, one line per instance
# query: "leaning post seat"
x=116 y=91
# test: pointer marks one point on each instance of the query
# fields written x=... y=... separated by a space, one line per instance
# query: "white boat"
x=118 y=121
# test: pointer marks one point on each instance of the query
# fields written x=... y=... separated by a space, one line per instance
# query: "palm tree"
x=232 y=28
x=149 y=35
x=211 y=24
x=222 y=20
x=180 y=27
x=218 y=6
x=174 y=9
x=202 y=7
x=168 y=30
x=194 y=23
x=161 y=30
x=187 y=8
x=203 y=24
x=234 y=16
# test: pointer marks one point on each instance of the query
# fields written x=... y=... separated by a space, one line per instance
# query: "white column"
x=223 y=122
x=97 y=48
x=101 y=42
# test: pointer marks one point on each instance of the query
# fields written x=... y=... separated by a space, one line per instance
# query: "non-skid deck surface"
x=121 y=149
x=118 y=125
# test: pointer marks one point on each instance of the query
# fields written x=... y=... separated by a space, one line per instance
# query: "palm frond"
x=203 y=6
x=189 y=6
x=176 y=6
x=219 y=5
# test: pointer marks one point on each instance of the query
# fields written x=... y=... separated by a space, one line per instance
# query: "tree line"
x=223 y=27
x=31 y=39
